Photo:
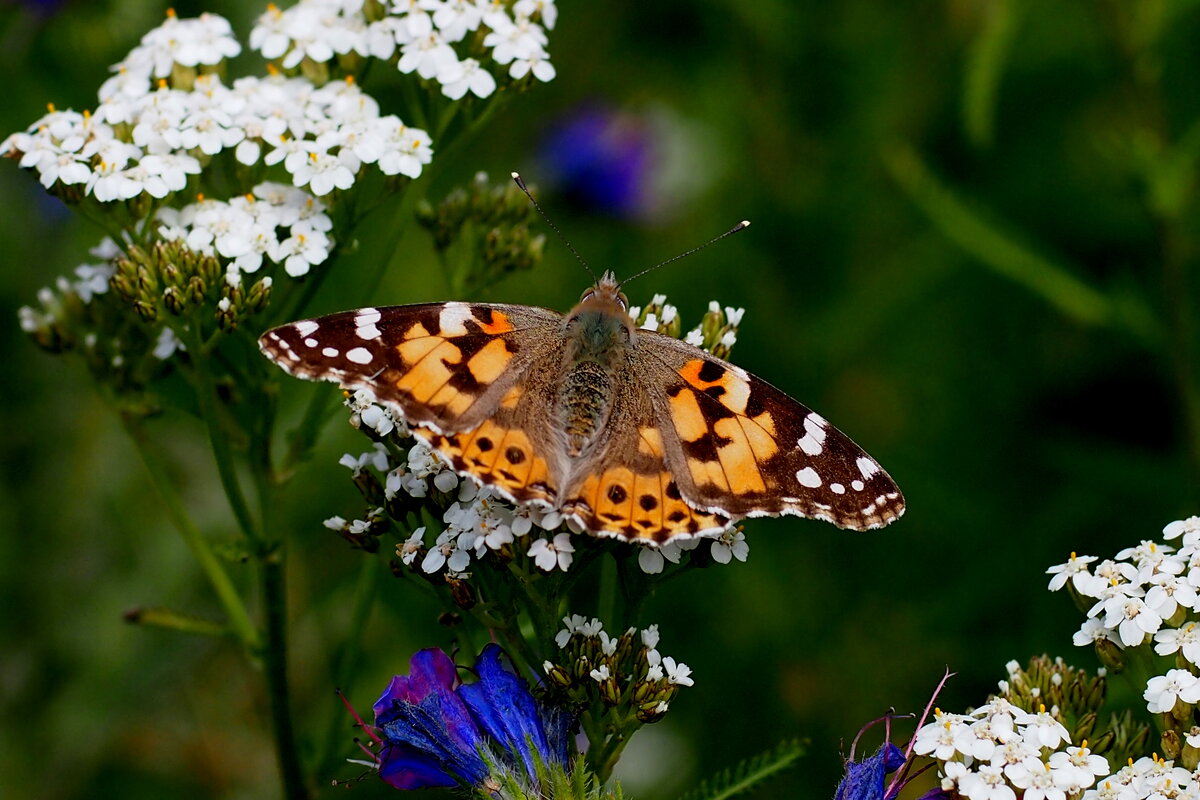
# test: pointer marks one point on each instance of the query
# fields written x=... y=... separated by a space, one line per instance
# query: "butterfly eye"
x=623 y=301
x=588 y=295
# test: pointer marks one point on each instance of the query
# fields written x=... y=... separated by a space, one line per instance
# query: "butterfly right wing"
x=456 y=372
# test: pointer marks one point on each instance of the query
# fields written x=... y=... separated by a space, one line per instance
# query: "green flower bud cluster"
x=1075 y=698
x=167 y=279
x=481 y=232
x=624 y=675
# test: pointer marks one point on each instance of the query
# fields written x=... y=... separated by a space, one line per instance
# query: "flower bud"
x=1171 y=744
x=1110 y=655
x=174 y=300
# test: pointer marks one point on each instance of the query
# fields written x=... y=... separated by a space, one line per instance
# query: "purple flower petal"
x=503 y=706
x=405 y=767
x=865 y=780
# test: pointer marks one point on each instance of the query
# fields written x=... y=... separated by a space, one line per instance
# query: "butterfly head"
x=601 y=318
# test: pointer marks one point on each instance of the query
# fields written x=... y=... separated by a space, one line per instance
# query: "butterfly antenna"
x=516 y=176
x=739 y=227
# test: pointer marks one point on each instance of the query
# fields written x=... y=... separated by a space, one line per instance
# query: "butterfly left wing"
x=742 y=448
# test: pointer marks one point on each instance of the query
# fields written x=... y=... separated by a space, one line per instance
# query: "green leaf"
x=986 y=61
x=991 y=245
x=749 y=773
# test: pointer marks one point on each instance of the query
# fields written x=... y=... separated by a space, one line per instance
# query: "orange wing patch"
x=725 y=446
x=498 y=456
x=638 y=506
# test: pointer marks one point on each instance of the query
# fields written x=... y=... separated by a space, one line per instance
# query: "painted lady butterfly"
x=633 y=433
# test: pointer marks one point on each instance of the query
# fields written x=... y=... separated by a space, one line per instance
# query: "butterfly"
x=630 y=432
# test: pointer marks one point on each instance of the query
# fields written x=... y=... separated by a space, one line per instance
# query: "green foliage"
x=747 y=775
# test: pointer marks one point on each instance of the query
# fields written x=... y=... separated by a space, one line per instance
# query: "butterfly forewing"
x=752 y=450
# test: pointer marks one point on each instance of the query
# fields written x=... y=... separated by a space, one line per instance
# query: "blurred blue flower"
x=437 y=731
x=602 y=160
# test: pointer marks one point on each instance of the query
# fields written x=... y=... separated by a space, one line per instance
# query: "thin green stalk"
x=206 y=398
x=218 y=578
x=274 y=592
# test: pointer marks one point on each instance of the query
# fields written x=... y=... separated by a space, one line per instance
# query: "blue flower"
x=603 y=160
x=865 y=779
x=436 y=731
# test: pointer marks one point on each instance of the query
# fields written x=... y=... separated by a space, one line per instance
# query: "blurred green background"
x=972 y=250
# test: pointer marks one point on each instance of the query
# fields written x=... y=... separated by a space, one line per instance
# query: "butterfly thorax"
x=598 y=335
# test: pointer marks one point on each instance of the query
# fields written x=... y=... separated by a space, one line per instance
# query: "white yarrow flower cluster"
x=577 y=630
x=274 y=222
x=458 y=43
x=1000 y=751
x=1146 y=594
x=148 y=138
x=1148 y=778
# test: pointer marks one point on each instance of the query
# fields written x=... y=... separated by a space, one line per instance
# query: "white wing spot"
x=359 y=355
x=869 y=510
x=867 y=467
x=330 y=352
x=310 y=342
x=307 y=327
x=814 y=434
x=808 y=477
x=364 y=323
x=452 y=320
x=837 y=488
x=857 y=486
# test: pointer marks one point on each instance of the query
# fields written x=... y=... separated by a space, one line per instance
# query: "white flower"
x=1042 y=729
x=428 y=55
x=1178 y=528
x=600 y=674
x=300 y=252
x=166 y=344
x=548 y=554
x=1092 y=631
x=1036 y=778
x=539 y=64
x=405 y=151
x=1163 y=691
x=677 y=673
x=1168 y=591
x=650 y=637
x=1086 y=765
x=465 y=76
x=730 y=544
x=1075 y=570
x=937 y=739
x=408 y=549
x=1131 y=618
x=986 y=784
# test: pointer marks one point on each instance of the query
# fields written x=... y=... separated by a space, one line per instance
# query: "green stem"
x=274 y=593
x=218 y=578
x=206 y=398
